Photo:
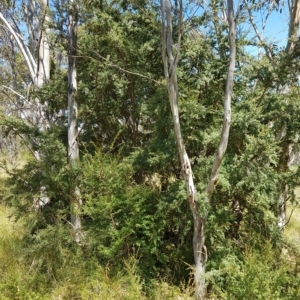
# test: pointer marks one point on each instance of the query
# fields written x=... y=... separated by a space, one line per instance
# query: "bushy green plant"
x=260 y=274
x=125 y=219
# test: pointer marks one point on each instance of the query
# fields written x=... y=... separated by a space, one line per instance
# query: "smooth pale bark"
x=31 y=64
x=170 y=62
x=170 y=69
x=43 y=71
x=73 y=149
x=42 y=77
x=43 y=66
x=282 y=199
x=32 y=23
x=227 y=103
x=39 y=69
x=293 y=26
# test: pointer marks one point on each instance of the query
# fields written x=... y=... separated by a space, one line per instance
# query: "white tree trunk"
x=170 y=62
x=282 y=199
x=293 y=26
x=227 y=103
x=33 y=24
x=73 y=149
x=39 y=70
x=42 y=76
x=43 y=70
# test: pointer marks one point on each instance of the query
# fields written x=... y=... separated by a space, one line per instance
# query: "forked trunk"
x=170 y=61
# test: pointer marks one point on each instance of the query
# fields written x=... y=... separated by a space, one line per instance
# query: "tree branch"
x=109 y=64
x=163 y=40
x=13 y=91
x=24 y=49
x=30 y=55
x=267 y=49
x=227 y=105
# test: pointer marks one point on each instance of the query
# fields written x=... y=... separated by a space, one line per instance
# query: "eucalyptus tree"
x=36 y=54
x=171 y=56
x=73 y=148
x=37 y=22
x=284 y=79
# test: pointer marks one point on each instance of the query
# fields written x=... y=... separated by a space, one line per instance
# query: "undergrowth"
x=259 y=274
x=73 y=277
x=130 y=252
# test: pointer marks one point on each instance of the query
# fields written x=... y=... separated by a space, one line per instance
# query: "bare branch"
x=18 y=32
x=238 y=10
x=13 y=91
x=290 y=216
x=24 y=49
x=267 y=49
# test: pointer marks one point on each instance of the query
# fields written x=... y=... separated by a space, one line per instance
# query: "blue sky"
x=277 y=27
x=275 y=31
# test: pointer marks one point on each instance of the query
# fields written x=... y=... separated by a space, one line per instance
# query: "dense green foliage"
x=137 y=223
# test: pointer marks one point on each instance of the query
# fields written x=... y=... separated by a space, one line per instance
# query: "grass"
x=22 y=280
x=17 y=280
x=292 y=230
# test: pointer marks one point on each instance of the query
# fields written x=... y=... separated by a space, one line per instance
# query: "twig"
x=7 y=87
x=267 y=49
x=117 y=67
